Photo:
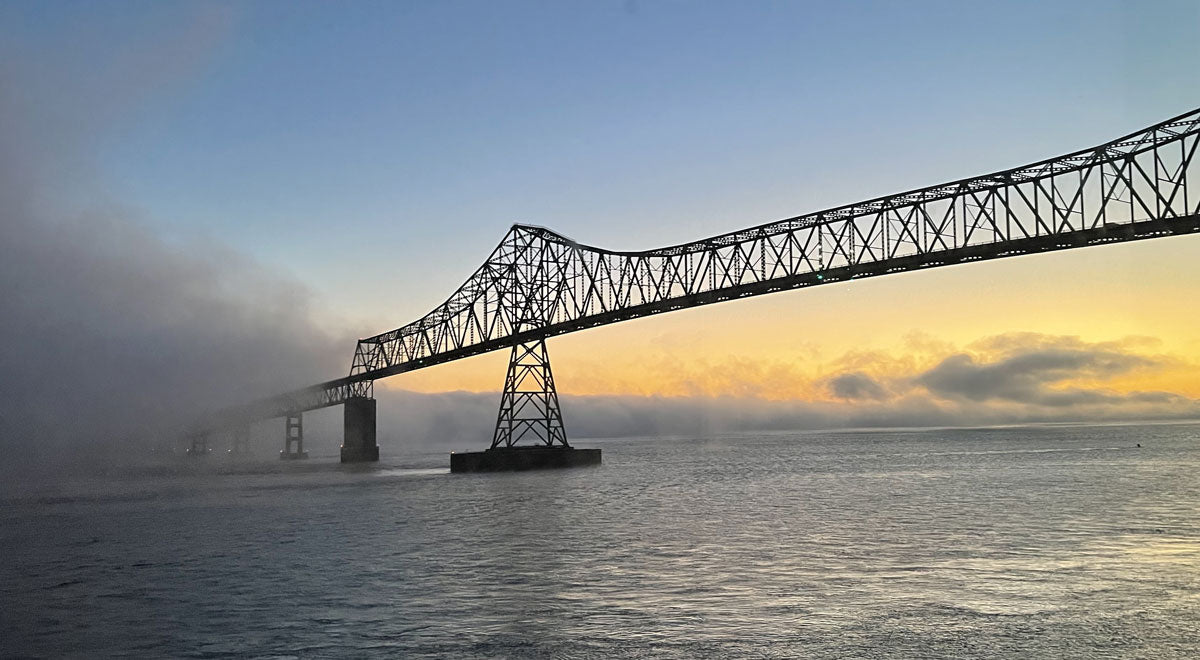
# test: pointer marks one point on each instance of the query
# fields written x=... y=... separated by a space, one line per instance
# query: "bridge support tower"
x=293 y=438
x=529 y=411
x=358 y=430
x=239 y=440
x=198 y=445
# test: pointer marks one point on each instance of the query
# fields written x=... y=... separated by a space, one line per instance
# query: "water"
x=1003 y=543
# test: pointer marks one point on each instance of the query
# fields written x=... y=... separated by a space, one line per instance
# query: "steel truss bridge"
x=537 y=283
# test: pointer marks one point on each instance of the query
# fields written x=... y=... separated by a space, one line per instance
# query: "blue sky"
x=376 y=151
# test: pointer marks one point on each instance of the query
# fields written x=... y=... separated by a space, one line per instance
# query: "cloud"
x=1030 y=374
x=855 y=385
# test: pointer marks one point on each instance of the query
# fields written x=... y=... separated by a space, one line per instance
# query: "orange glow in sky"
x=1139 y=296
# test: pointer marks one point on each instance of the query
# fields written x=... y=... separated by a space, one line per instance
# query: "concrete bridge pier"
x=358 y=443
x=293 y=438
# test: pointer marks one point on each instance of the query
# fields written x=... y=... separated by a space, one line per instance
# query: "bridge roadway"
x=538 y=283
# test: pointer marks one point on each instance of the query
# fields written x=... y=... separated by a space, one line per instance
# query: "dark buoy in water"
x=1139 y=445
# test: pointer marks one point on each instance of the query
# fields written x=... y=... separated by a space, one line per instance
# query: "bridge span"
x=537 y=283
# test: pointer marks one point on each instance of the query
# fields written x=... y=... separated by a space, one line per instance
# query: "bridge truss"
x=538 y=283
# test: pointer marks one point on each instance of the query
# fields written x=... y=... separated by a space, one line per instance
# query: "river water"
x=1036 y=542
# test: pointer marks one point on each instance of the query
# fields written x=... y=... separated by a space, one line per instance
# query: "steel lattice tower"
x=529 y=405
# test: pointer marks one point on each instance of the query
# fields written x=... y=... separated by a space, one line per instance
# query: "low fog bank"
x=464 y=420
x=1015 y=378
x=413 y=422
x=111 y=336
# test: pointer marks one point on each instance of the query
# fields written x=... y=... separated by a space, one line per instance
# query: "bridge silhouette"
x=537 y=283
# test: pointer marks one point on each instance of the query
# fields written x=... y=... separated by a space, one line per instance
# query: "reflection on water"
x=409 y=472
x=1014 y=543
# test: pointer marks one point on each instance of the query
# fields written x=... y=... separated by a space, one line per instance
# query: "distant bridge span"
x=538 y=283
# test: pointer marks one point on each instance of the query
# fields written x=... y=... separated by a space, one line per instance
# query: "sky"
x=204 y=202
